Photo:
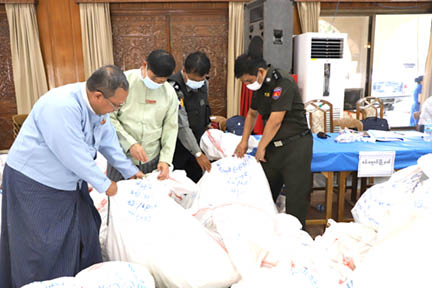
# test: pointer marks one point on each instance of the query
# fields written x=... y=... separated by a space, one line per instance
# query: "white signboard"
x=376 y=163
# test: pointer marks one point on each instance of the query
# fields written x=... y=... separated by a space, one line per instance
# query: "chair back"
x=320 y=115
x=350 y=123
x=369 y=107
x=17 y=122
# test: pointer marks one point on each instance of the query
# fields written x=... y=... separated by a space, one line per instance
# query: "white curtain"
x=309 y=13
x=28 y=69
x=96 y=36
x=235 y=49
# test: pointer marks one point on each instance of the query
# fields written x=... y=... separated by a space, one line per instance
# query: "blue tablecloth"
x=328 y=155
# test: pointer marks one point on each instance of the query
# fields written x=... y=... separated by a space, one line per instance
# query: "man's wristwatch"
x=198 y=154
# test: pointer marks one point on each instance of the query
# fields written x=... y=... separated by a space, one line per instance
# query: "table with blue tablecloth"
x=330 y=156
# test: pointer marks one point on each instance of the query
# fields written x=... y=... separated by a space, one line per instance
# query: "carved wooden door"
x=7 y=90
x=180 y=28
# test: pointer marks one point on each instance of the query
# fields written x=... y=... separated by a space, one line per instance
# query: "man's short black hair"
x=161 y=63
x=246 y=64
x=197 y=63
x=107 y=79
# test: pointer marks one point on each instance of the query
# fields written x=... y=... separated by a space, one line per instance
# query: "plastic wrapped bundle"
x=115 y=274
x=147 y=227
x=67 y=282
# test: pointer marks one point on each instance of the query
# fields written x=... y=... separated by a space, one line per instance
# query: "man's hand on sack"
x=112 y=189
x=138 y=175
x=164 y=170
x=138 y=153
x=260 y=154
x=203 y=162
x=241 y=149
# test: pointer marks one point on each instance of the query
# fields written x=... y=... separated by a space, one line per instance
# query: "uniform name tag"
x=150 y=101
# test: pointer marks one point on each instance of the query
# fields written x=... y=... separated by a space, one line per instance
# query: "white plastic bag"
x=401 y=259
x=67 y=282
x=247 y=234
x=343 y=247
x=115 y=274
x=378 y=202
x=235 y=180
x=100 y=201
x=149 y=228
x=217 y=144
x=425 y=163
x=181 y=188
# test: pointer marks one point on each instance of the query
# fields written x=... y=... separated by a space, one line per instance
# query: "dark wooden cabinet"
x=180 y=28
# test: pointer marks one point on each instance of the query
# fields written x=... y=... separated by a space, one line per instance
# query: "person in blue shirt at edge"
x=50 y=227
x=285 y=149
x=191 y=87
x=415 y=109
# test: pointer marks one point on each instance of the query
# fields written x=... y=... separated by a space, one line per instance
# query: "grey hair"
x=107 y=79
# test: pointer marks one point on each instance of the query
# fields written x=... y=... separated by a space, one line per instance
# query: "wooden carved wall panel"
x=135 y=35
x=181 y=29
x=207 y=33
x=61 y=42
x=7 y=90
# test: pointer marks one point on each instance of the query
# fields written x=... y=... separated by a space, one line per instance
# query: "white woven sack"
x=235 y=180
x=181 y=188
x=217 y=144
x=67 y=282
x=149 y=228
x=100 y=201
x=378 y=202
x=115 y=274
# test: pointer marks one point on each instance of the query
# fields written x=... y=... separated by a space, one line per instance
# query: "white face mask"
x=255 y=85
x=194 y=84
x=150 y=83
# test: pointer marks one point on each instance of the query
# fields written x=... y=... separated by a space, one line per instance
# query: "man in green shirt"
x=147 y=124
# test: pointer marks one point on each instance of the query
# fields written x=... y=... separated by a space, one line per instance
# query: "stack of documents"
x=380 y=135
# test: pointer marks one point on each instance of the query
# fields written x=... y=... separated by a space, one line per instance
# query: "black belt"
x=282 y=142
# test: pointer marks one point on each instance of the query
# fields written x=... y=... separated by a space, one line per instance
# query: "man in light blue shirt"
x=49 y=223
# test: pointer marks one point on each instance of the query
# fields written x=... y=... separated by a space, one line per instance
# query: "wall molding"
x=153 y=1
x=366 y=1
x=18 y=1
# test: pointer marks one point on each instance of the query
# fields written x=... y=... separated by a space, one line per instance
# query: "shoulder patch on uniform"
x=175 y=85
x=276 y=93
x=181 y=103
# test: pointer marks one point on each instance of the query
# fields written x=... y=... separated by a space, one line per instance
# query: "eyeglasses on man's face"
x=113 y=105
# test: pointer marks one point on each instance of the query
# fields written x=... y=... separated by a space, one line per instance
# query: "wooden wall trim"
x=365 y=1
x=373 y=8
x=169 y=8
x=154 y=1
x=18 y=1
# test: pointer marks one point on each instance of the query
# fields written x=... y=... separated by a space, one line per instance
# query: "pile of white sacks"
x=225 y=232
